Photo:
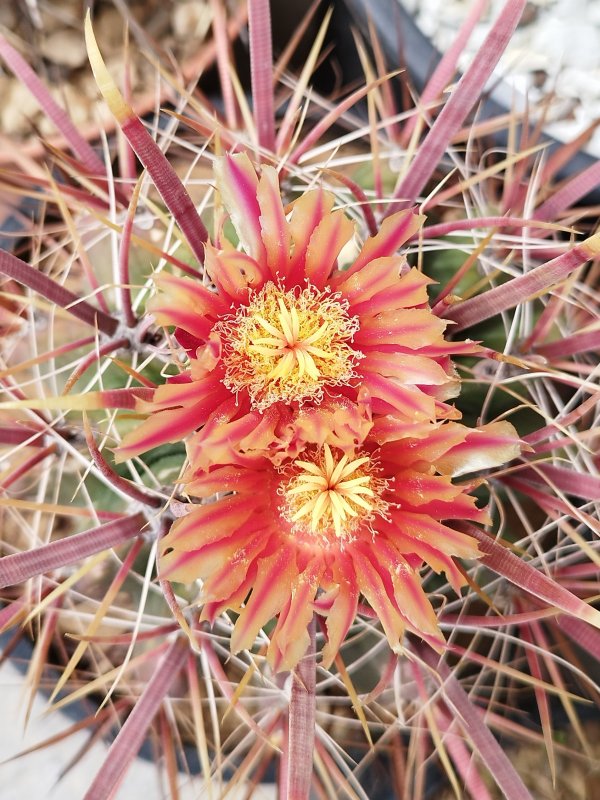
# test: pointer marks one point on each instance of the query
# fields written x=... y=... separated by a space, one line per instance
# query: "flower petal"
x=379 y=286
x=395 y=231
x=390 y=395
x=378 y=276
x=378 y=590
x=412 y=328
x=408 y=591
x=290 y=639
x=173 y=424
x=186 y=566
x=436 y=496
x=244 y=440
x=406 y=368
x=238 y=185
x=179 y=391
x=234 y=273
x=270 y=592
x=484 y=447
x=422 y=528
x=208 y=523
x=338 y=422
x=343 y=609
x=418 y=550
x=275 y=231
x=417 y=488
x=333 y=232
x=186 y=304
x=233 y=601
x=230 y=477
x=426 y=442
x=227 y=580
x=307 y=212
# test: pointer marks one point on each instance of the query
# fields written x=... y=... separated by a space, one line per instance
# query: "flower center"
x=333 y=493
x=286 y=346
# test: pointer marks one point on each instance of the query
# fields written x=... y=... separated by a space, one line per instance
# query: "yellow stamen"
x=332 y=494
x=288 y=346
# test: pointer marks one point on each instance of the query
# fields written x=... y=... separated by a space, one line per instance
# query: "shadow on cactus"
x=262 y=495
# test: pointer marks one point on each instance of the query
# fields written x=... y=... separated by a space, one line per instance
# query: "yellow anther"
x=332 y=494
x=288 y=346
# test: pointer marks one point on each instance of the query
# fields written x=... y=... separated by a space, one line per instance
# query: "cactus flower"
x=285 y=324
x=343 y=517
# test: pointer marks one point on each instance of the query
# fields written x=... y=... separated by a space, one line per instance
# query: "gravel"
x=554 y=55
x=38 y=775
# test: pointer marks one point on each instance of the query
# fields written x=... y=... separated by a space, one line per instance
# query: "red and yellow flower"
x=283 y=326
x=352 y=509
x=320 y=445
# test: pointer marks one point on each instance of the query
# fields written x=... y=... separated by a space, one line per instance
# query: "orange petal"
x=416 y=487
x=343 y=609
x=425 y=442
x=187 y=566
x=338 y=422
x=307 y=212
x=379 y=287
x=238 y=185
x=422 y=550
x=275 y=231
x=208 y=523
x=485 y=447
x=380 y=597
x=186 y=304
x=394 y=232
x=409 y=291
x=160 y=428
x=180 y=393
x=270 y=592
x=422 y=528
x=406 y=368
x=207 y=357
x=226 y=582
x=234 y=273
x=436 y=496
x=389 y=395
x=234 y=601
x=244 y=441
x=333 y=232
x=413 y=328
x=379 y=275
x=170 y=425
x=408 y=591
x=290 y=638
x=236 y=479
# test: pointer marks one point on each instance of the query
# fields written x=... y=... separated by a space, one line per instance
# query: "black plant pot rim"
x=397 y=31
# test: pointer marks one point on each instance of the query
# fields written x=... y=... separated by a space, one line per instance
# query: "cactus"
x=300 y=451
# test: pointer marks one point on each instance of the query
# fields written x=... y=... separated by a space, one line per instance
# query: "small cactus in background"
x=253 y=463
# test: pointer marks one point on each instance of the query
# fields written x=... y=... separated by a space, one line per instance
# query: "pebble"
x=64 y=47
x=18 y=107
x=8 y=16
x=555 y=49
x=109 y=29
x=191 y=19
